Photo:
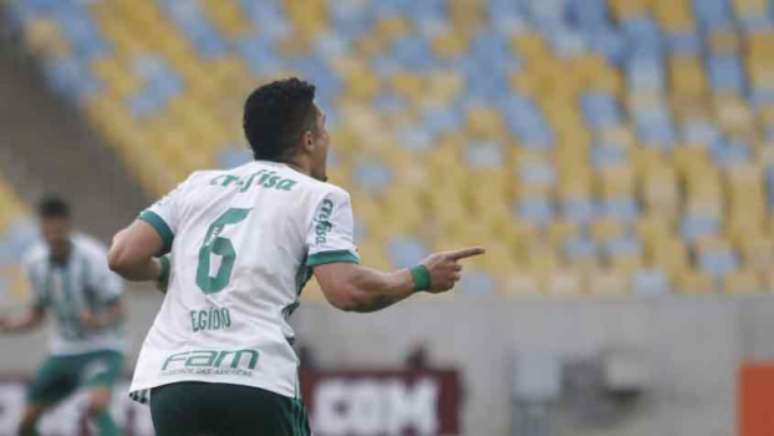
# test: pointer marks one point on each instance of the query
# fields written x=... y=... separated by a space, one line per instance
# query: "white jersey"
x=83 y=282
x=242 y=243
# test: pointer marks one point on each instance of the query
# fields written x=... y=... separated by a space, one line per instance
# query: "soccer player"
x=69 y=275
x=239 y=246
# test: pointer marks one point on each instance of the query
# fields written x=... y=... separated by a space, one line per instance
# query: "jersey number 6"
x=218 y=245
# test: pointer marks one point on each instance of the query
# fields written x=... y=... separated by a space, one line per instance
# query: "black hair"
x=277 y=115
x=52 y=206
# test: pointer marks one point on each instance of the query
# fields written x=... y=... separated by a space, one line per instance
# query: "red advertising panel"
x=756 y=400
x=382 y=403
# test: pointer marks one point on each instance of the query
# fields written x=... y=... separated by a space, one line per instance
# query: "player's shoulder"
x=325 y=188
x=37 y=252
x=200 y=177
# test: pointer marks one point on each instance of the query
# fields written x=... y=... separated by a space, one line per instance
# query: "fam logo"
x=211 y=359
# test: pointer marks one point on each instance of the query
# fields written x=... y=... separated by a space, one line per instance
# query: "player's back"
x=240 y=244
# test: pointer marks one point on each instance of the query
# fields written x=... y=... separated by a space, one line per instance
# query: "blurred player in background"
x=242 y=243
x=69 y=275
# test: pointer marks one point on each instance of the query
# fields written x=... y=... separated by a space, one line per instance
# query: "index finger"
x=465 y=252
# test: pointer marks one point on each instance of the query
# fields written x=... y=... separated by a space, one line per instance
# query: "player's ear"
x=308 y=141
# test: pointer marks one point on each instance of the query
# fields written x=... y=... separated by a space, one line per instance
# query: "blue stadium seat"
x=415 y=138
x=600 y=110
x=579 y=210
x=700 y=131
x=372 y=176
x=233 y=156
x=580 y=247
x=650 y=282
x=718 y=263
x=267 y=16
x=537 y=172
x=693 y=227
x=260 y=55
x=477 y=283
x=536 y=211
x=627 y=246
x=624 y=209
x=726 y=154
x=725 y=73
x=684 y=43
x=484 y=154
x=607 y=156
x=713 y=14
x=527 y=122
x=189 y=17
x=406 y=251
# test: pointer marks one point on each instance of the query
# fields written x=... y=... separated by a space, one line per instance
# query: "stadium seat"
x=742 y=281
x=693 y=282
x=563 y=283
x=608 y=283
x=521 y=284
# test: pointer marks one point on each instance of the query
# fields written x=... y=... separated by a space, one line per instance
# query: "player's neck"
x=299 y=165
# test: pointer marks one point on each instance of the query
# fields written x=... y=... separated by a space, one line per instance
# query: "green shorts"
x=217 y=409
x=60 y=376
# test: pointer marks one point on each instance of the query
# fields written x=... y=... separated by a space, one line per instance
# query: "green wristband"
x=164 y=276
x=421 y=277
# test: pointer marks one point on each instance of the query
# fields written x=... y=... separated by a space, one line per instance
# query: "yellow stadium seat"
x=615 y=181
x=521 y=284
x=750 y=8
x=526 y=83
x=623 y=9
x=563 y=283
x=757 y=252
x=693 y=282
x=724 y=42
x=560 y=230
x=687 y=76
x=608 y=282
x=742 y=281
x=626 y=263
x=542 y=260
x=654 y=227
x=604 y=229
x=466 y=16
x=741 y=228
x=528 y=44
x=688 y=157
x=669 y=254
x=44 y=38
x=733 y=115
x=498 y=259
x=485 y=122
x=645 y=159
x=619 y=134
x=442 y=87
x=448 y=44
x=407 y=84
x=660 y=191
x=226 y=16
x=767 y=280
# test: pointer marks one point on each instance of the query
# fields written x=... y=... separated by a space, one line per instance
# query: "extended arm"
x=31 y=319
x=352 y=287
x=132 y=252
x=113 y=313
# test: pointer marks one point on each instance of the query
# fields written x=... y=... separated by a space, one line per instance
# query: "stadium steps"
x=53 y=150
